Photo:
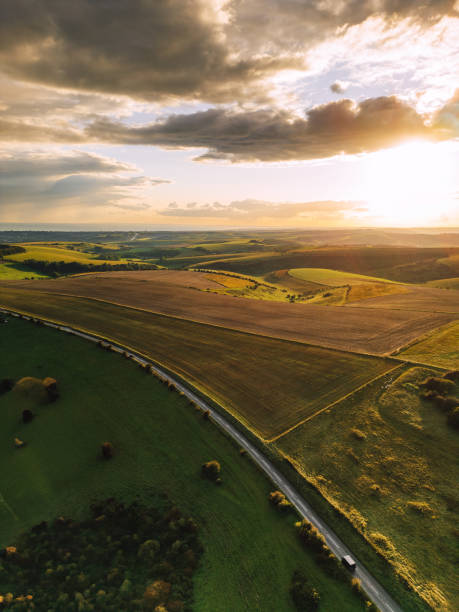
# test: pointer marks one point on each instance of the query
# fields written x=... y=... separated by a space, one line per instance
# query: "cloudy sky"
x=282 y=113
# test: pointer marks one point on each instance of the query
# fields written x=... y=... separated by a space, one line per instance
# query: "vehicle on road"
x=349 y=562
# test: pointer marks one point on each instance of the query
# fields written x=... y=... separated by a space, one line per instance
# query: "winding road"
x=374 y=590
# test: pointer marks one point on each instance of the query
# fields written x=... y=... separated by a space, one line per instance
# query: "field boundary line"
x=424 y=337
x=338 y=401
x=386 y=356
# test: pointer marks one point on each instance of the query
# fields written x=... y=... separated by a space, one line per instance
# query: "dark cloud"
x=194 y=49
x=52 y=179
x=142 y=48
x=268 y=135
x=254 y=210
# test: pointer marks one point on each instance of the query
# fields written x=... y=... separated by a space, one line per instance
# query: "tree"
x=107 y=450
x=27 y=416
x=211 y=470
x=453 y=418
x=305 y=597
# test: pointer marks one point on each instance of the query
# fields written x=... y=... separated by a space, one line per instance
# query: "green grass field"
x=333 y=278
x=251 y=550
x=375 y=454
x=268 y=384
x=440 y=348
x=17 y=271
x=61 y=253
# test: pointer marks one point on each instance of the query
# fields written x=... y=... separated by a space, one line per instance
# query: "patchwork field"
x=160 y=443
x=440 y=348
x=269 y=385
x=405 y=264
x=333 y=278
x=175 y=293
x=389 y=462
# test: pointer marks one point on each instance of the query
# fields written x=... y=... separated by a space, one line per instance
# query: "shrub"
x=442 y=386
x=107 y=450
x=452 y=375
x=27 y=416
x=358 y=434
x=156 y=593
x=278 y=499
x=305 y=597
x=453 y=418
x=446 y=403
x=420 y=507
x=6 y=384
x=310 y=536
x=211 y=470
x=32 y=389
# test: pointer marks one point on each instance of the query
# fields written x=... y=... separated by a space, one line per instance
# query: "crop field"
x=16 y=271
x=389 y=462
x=416 y=299
x=405 y=264
x=53 y=253
x=269 y=385
x=441 y=348
x=333 y=278
x=182 y=294
x=160 y=443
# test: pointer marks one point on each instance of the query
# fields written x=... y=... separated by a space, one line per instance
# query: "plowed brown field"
x=182 y=294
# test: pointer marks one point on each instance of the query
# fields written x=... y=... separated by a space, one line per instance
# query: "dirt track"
x=183 y=294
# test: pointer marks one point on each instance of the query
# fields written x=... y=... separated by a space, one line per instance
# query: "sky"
x=238 y=113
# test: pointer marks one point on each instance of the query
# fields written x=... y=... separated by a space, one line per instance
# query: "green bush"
x=305 y=597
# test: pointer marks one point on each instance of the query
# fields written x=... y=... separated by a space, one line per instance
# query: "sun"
x=411 y=185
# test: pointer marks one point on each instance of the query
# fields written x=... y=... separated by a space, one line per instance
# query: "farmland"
x=280 y=384
x=160 y=443
x=16 y=271
x=183 y=294
x=63 y=252
x=440 y=348
x=390 y=465
x=333 y=278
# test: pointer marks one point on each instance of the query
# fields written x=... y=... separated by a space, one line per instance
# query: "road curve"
x=371 y=586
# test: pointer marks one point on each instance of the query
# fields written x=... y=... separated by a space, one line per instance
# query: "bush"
x=211 y=470
x=6 y=384
x=305 y=597
x=310 y=536
x=442 y=386
x=27 y=416
x=278 y=499
x=107 y=450
x=452 y=375
x=453 y=418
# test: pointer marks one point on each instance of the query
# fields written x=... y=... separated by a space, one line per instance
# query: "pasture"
x=440 y=348
x=389 y=462
x=17 y=271
x=64 y=252
x=160 y=442
x=269 y=385
x=332 y=278
x=182 y=294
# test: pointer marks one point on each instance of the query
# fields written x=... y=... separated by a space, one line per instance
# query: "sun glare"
x=411 y=184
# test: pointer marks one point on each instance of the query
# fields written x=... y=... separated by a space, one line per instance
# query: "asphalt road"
x=372 y=587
